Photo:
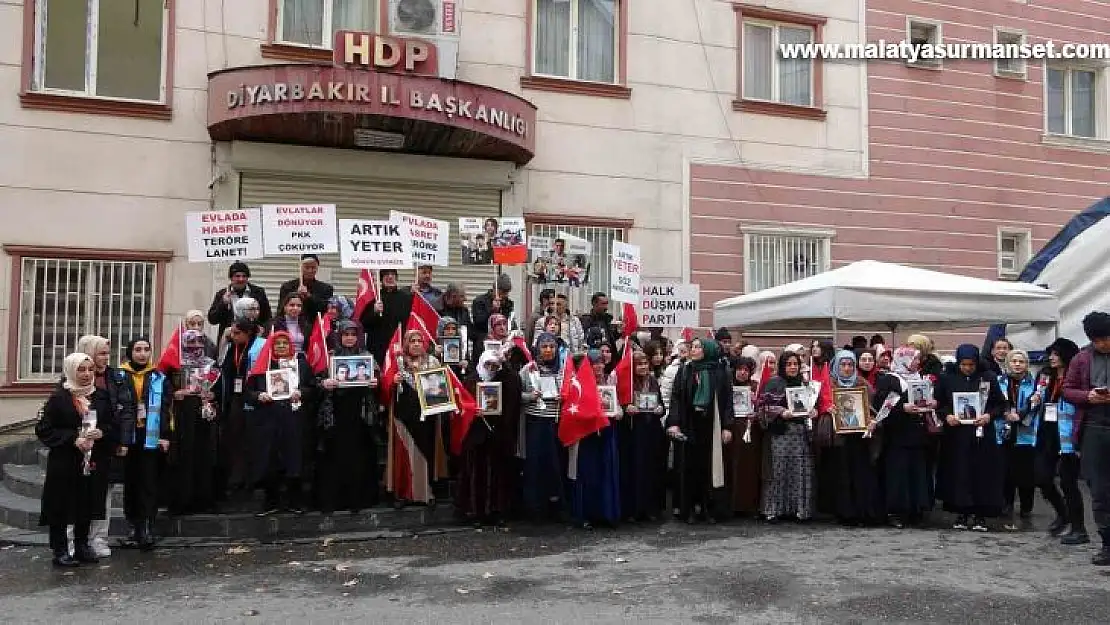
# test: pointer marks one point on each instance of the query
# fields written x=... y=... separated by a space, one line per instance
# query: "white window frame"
x=1022 y=253
x=572 y=67
x=1021 y=73
x=92 y=31
x=1100 y=100
x=776 y=95
x=911 y=21
x=825 y=237
x=327 y=40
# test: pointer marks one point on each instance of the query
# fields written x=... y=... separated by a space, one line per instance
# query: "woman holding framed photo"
x=643 y=458
x=1019 y=435
x=788 y=488
x=595 y=490
x=745 y=454
x=853 y=458
x=543 y=487
x=417 y=456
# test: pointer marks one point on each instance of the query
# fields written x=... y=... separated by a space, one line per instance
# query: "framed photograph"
x=549 y=388
x=742 y=401
x=489 y=398
x=850 y=413
x=647 y=402
x=452 y=349
x=280 y=384
x=491 y=346
x=966 y=407
x=920 y=392
x=352 y=370
x=797 y=400
x=434 y=389
x=609 y=404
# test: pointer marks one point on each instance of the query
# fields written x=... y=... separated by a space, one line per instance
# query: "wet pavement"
x=671 y=573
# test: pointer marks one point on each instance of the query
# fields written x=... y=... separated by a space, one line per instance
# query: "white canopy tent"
x=869 y=294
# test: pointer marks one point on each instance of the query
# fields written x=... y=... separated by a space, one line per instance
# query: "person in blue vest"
x=147 y=444
x=1018 y=433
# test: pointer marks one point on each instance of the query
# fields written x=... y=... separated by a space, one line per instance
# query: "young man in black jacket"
x=314 y=293
x=222 y=313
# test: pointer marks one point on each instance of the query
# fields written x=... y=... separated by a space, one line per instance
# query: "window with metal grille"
x=776 y=257
x=601 y=241
x=61 y=300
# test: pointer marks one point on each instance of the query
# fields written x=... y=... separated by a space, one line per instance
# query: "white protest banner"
x=218 y=236
x=624 y=283
x=669 y=305
x=541 y=245
x=293 y=229
x=430 y=239
x=572 y=245
x=374 y=244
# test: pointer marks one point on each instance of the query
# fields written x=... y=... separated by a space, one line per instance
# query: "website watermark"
x=931 y=52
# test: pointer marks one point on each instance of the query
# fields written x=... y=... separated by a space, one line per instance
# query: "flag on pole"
x=464 y=417
x=171 y=356
x=389 y=367
x=366 y=293
x=581 y=413
x=423 y=318
x=265 y=355
x=688 y=334
x=630 y=322
x=624 y=371
x=316 y=349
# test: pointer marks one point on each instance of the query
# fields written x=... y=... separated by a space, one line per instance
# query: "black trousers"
x=1096 y=470
x=59 y=542
x=1019 y=477
x=1068 y=504
x=140 y=484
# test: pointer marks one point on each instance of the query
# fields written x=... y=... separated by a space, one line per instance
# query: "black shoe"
x=65 y=561
x=1102 y=558
x=961 y=522
x=692 y=519
x=146 y=536
x=296 y=508
x=1075 y=537
x=267 y=510
x=896 y=522
x=85 y=555
x=710 y=519
x=979 y=525
x=1058 y=526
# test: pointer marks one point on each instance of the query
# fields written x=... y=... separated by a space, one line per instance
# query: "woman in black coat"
x=76 y=484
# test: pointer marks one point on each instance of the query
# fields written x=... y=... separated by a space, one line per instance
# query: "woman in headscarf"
x=788 y=484
x=643 y=458
x=882 y=360
x=905 y=435
x=593 y=469
x=76 y=486
x=853 y=457
x=448 y=329
x=417 y=456
x=148 y=443
x=243 y=309
x=275 y=427
x=804 y=354
x=822 y=354
x=232 y=470
x=700 y=420
x=543 y=464
x=995 y=362
x=193 y=456
x=1057 y=447
x=679 y=356
x=485 y=487
x=745 y=454
x=972 y=464
x=340 y=308
x=347 y=472
x=498 y=328
x=931 y=369
x=1019 y=434
x=868 y=366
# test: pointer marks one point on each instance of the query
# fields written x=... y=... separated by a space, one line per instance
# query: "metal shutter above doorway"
x=371 y=200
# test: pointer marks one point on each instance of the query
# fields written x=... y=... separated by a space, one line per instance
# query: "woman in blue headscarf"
x=543 y=465
x=595 y=493
x=855 y=478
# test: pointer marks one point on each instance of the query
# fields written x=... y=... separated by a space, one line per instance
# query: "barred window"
x=61 y=300
x=601 y=253
x=773 y=257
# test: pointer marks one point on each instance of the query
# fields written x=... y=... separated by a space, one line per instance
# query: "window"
x=61 y=299
x=576 y=39
x=1071 y=100
x=923 y=36
x=601 y=252
x=767 y=75
x=1014 y=250
x=313 y=23
x=102 y=48
x=774 y=257
x=1012 y=66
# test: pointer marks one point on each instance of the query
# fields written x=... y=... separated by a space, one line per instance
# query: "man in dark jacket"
x=454 y=306
x=388 y=312
x=1086 y=387
x=488 y=304
x=599 y=317
x=221 y=313
x=314 y=293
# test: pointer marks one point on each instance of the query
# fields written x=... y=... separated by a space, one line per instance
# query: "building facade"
x=670 y=125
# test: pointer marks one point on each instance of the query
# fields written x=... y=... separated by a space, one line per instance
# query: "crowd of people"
x=679 y=444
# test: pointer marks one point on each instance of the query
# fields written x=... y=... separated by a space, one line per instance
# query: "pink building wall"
x=955 y=154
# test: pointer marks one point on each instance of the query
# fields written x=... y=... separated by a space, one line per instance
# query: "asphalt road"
x=735 y=572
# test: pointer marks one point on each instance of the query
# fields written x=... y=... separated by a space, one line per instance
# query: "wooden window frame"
x=279 y=50
x=815 y=111
x=30 y=98
x=540 y=82
x=11 y=386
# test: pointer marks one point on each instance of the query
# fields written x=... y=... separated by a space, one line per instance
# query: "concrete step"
x=43 y=454
x=22 y=512
x=27 y=480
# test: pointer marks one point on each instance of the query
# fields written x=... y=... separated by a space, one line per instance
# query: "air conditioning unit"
x=433 y=20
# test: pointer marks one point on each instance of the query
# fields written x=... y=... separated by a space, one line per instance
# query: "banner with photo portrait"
x=493 y=241
x=563 y=260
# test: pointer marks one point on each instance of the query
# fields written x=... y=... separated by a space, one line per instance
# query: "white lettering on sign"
x=289 y=230
x=430 y=239
x=374 y=244
x=669 y=305
x=624 y=283
x=217 y=236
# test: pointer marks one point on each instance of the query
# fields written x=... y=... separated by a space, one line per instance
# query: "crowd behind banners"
x=560 y=418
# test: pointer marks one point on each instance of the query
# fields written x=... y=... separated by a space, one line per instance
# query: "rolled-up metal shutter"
x=371 y=200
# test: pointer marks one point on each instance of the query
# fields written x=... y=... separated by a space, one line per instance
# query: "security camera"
x=218 y=178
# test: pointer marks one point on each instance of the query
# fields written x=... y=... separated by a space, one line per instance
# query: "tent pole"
x=834 y=332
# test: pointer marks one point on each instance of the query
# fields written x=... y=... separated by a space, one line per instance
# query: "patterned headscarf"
x=845 y=382
x=343 y=304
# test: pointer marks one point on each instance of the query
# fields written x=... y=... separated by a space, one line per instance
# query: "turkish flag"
x=624 y=375
x=464 y=417
x=316 y=351
x=365 y=294
x=423 y=318
x=389 y=367
x=688 y=334
x=265 y=355
x=630 y=322
x=171 y=356
x=765 y=376
x=581 y=414
x=523 y=345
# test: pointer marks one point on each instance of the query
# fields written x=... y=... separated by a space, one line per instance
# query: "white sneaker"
x=100 y=547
